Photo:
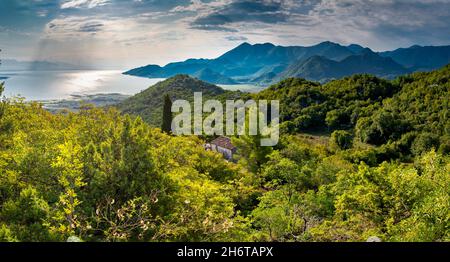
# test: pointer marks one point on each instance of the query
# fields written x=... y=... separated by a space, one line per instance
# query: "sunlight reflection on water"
x=49 y=85
x=42 y=85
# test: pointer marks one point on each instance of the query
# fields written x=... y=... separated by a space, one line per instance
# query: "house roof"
x=224 y=142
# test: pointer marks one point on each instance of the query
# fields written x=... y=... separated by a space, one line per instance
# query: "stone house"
x=222 y=145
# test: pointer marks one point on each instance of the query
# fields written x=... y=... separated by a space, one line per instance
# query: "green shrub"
x=424 y=142
x=341 y=139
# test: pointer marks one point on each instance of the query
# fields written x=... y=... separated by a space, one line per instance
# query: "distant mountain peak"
x=327 y=43
x=367 y=51
x=244 y=44
x=355 y=48
x=265 y=44
x=355 y=45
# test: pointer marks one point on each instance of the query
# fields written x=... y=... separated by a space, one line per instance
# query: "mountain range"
x=267 y=63
x=15 y=65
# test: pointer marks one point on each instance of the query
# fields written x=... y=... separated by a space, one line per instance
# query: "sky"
x=128 y=33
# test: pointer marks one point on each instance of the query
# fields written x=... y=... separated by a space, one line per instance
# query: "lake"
x=51 y=85
x=46 y=85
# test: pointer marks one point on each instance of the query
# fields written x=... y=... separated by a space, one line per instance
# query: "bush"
x=444 y=147
x=341 y=139
x=337 y=118
x=6 y=235
x=424 y=143
x=381 y=128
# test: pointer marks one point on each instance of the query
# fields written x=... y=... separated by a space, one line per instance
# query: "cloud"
x=236 y=38
x=270 y=12
x=214 y=28
x=201 y=6
x=83 y=3
x=380 y=24
x=166 y=30
x=91 y=27
x=75 y=27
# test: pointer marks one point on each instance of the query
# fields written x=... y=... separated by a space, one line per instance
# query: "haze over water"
x=45 y=85
x=49 y=85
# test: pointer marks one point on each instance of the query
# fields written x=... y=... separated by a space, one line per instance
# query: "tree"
x=424 y=143
x=381 y=128
x=25 y=215
x=167 y=115
x=2 y=88
x=68 y=167
x=250 y=153
x=336 y=118
x=279 y=216
x=2 y=107
x=341 y=139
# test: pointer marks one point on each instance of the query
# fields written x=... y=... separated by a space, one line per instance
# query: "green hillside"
x=406 y=115
x=149 y=103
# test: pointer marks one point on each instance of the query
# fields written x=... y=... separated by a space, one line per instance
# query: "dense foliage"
x=405 y=117
x=376 y=163
x=317 y=195
x=102 y=176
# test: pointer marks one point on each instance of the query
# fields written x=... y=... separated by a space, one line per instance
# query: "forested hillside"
x=102 y=176
x=149 y=103
x=409 y=115
x=322 y=69
x=358 y=157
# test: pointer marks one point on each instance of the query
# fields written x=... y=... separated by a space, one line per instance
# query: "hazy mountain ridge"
x=15 y=65
x=267 y=63
x=321 y=69
x=419 y=58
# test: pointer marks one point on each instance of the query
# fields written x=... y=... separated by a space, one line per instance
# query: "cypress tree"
x=2 y=88
x=167 y=115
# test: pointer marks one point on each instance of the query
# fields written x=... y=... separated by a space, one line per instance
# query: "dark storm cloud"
x=243 y=11
x=91 y=27
x=380 y=23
